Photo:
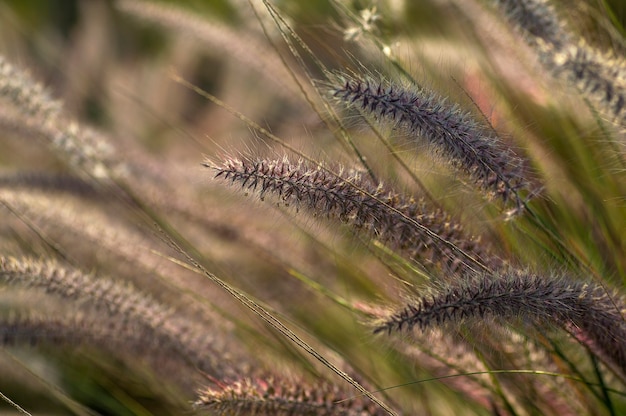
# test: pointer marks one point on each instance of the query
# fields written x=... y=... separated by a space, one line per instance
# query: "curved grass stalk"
x=16 y=406
x=275 y=323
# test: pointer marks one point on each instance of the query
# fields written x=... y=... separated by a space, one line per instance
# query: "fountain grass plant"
x=271 y=207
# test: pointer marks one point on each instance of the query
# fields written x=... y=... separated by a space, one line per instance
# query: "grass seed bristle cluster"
x=537 y=19
x=451 y=131
x=425 y=234
x=274 y=396
x=18 y=87
x=112 y=301
x=598 y=75
x=553 y=301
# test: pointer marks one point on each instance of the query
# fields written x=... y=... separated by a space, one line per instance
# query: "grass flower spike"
x=425 y=234
x=281 y=397
x=555 y=301
x=452 y=132
x=598 y=75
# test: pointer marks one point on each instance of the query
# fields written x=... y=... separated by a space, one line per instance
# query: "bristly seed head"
x=559 y=301
x=406 y=224
x=453 y=133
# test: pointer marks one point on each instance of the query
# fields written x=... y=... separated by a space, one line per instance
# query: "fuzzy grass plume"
x=452 y=132
x=136 y=315
x=558 y=301
x=598 y=75
x=425 y=234
x=274 y=396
